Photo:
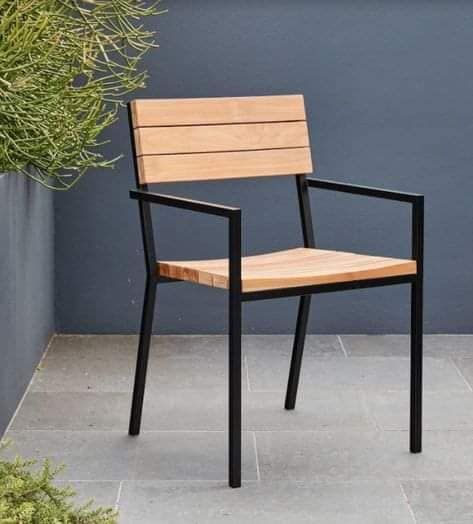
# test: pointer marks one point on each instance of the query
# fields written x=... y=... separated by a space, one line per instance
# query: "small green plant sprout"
x=65 y=68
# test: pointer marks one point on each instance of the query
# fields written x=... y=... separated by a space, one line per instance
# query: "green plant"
x=29 y=497
x=65 y=66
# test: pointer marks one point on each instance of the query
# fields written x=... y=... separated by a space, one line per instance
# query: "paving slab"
x=465 y=367
x=257 y=503
x=440 y=501
x=444 y=410
x=190 y=456
x=319 y=410
x=382 y=373
x=87 y=455
x=103 y=494
x=440 y=346
x=363 y=455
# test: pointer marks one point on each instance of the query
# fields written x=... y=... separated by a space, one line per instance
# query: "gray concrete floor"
x=340 y=457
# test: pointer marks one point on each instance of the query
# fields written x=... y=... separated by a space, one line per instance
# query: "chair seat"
x=289 y=268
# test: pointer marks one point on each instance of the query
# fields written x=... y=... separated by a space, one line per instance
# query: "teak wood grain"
x=223 y=137
x=221 y=110
x=217 y=138
x=213 y=166
x=290 y=268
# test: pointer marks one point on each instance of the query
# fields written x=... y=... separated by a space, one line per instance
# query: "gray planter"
x=26 y=284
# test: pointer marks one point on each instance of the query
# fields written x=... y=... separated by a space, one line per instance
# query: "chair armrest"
x=364 y=190
x=416 y=200
x=234 y=230
x=185 y=203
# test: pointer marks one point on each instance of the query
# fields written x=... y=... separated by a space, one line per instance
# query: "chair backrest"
x=219 y=138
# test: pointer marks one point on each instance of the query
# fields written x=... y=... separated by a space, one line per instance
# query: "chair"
x=222 y=138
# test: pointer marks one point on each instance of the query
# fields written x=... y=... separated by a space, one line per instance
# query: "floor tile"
x=314 y=411
x=96 y=347
x=322 y=456
x=162 y=410
x=361 y=455
x=383 y=373
x=189 y=373
x=101 y=493
x=87 y=455
x=190 y=410
x=446 y=455
x=79 y=374
x=438 y=346
x=442 y=410
x=74 y=411
x=465 y=366
x=257 y=503
x=190 y=456
x=440 y=502
x=280 y=346
x=92 y=347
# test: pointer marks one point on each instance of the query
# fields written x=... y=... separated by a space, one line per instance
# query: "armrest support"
x=416 y=200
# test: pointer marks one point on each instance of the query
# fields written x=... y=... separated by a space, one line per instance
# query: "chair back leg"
x=297 y=351
x=143 y=355
x=415 y=435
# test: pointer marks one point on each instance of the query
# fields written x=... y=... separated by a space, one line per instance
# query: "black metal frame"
x=237 y=297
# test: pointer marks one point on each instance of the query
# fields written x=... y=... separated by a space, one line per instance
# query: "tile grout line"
x=245 y=360
x=458 y=370
x=119 y=494
x=258 y=475
x=342 y=345
x=411 y=511
x=368 y=412
x=28 y=387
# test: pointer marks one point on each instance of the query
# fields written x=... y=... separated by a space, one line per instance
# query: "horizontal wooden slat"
x=290 y=268
x=203 y=139
x=213 y=166
x=197 y=111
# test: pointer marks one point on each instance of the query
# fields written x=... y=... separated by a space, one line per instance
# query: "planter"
x=26 y=284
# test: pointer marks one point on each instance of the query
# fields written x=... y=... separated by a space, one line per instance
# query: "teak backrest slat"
x=218 y=138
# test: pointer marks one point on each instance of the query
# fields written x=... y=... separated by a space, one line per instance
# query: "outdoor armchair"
x=222 y=138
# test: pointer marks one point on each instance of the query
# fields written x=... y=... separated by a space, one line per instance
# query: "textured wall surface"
x=388 y=88
x=26 y=285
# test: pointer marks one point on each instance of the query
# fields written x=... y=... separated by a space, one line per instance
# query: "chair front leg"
x=297 y=351
x=235 y=390
x=415 y=435
x=143 y=354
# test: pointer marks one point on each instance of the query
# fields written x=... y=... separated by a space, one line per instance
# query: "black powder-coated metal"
x=354 y=189
x=146 y=326
x=297 y=351
x=415 y=432
x=325 y=288
x=237 y=297
x=304 y=301
x=184 y=203
x=234 y=354
x=143 y=356
x=304 y=211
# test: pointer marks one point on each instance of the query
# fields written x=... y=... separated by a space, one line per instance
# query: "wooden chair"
x=222 y=138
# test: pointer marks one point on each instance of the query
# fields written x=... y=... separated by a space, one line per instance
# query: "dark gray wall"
x=26 y=285
x=388 y=87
